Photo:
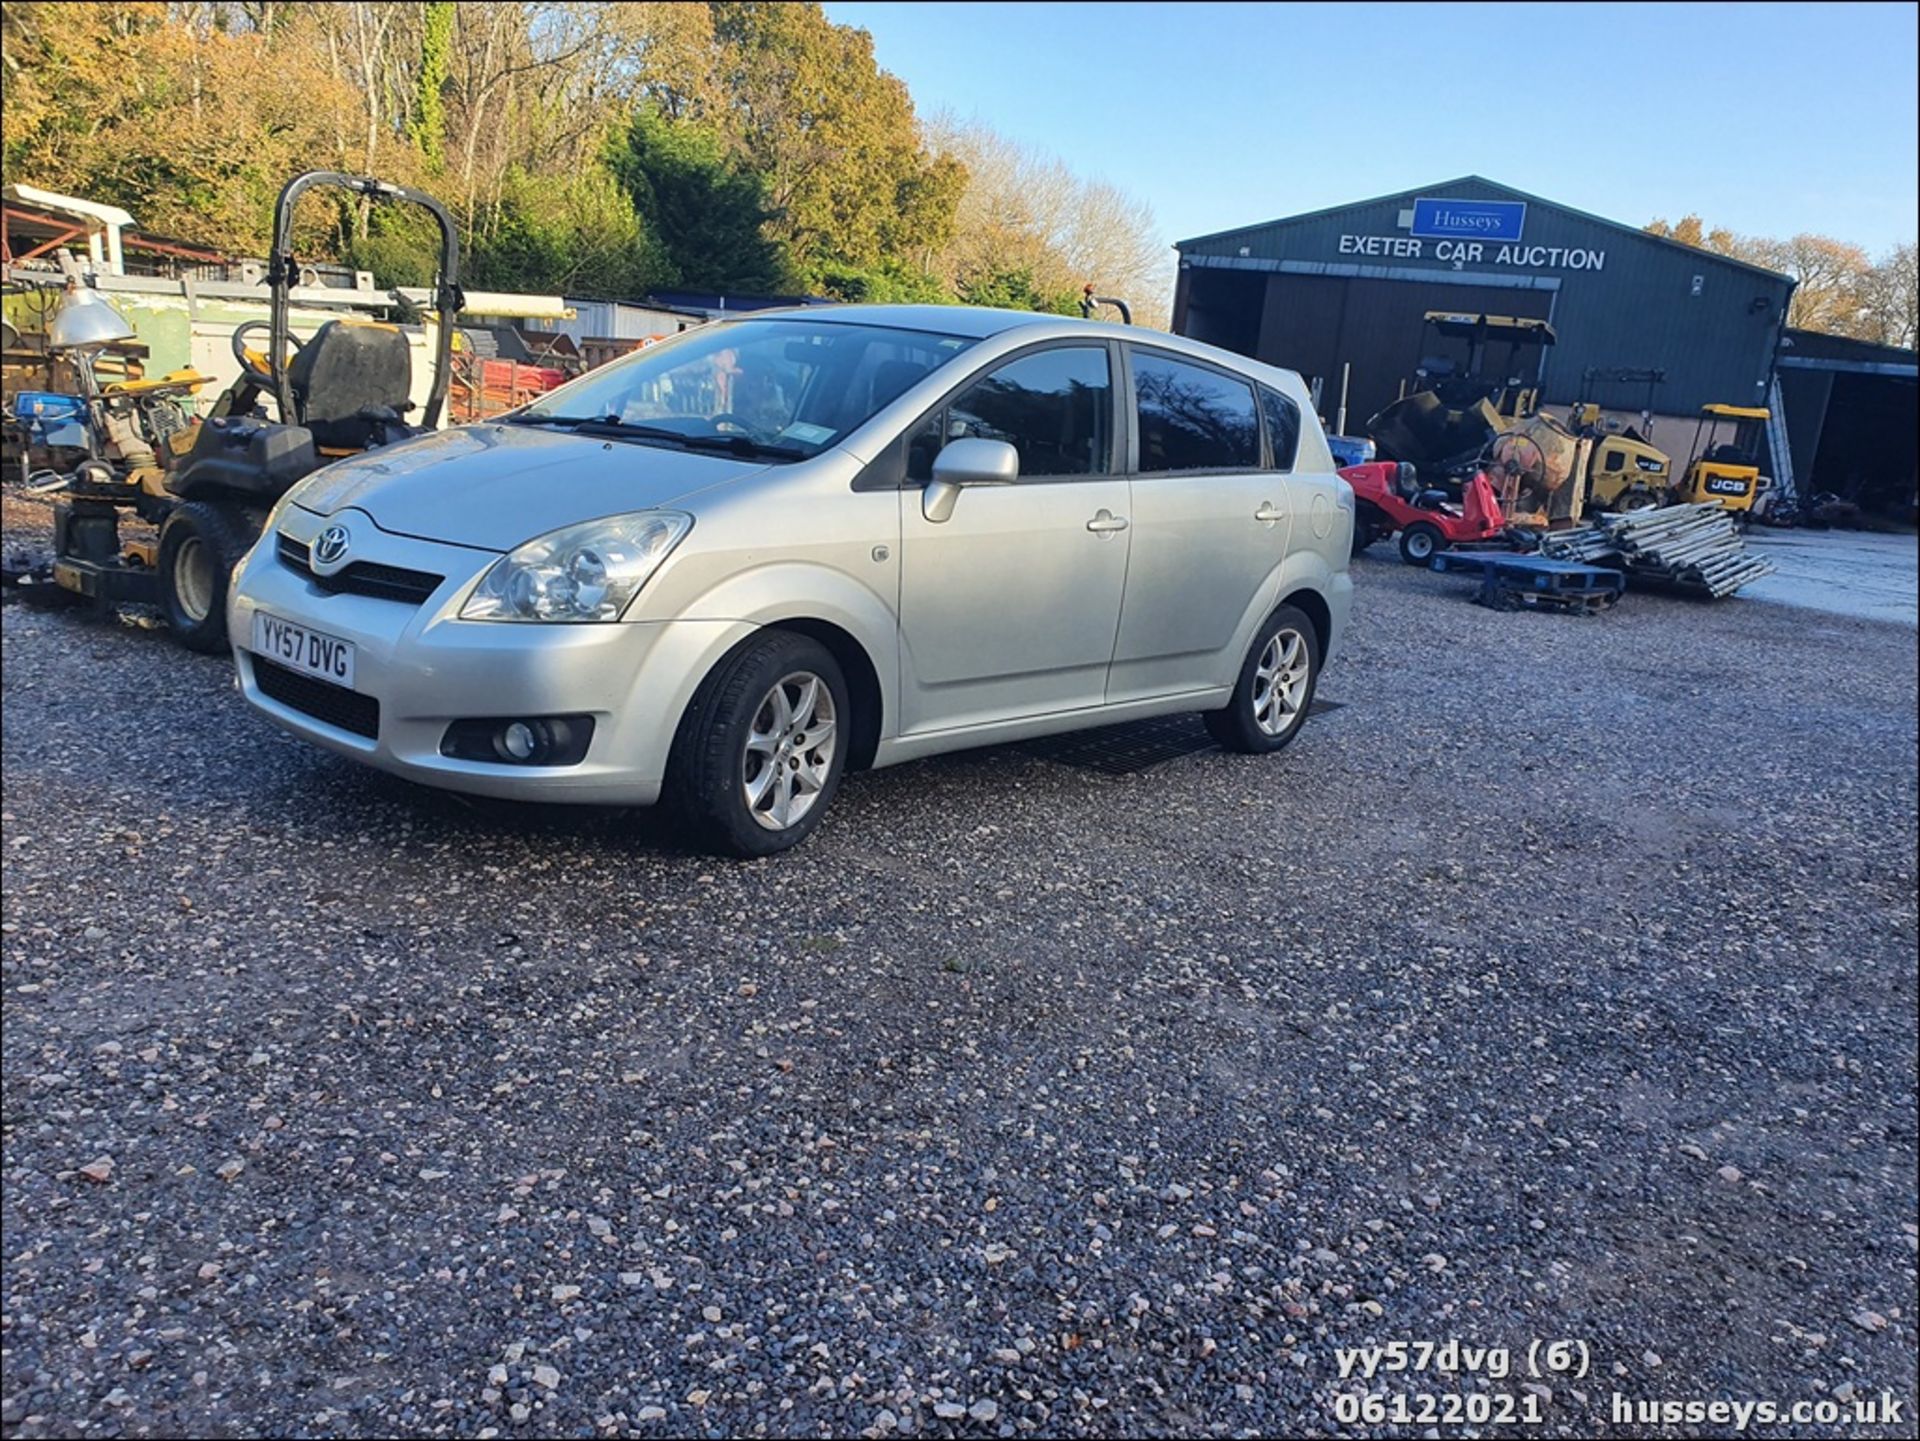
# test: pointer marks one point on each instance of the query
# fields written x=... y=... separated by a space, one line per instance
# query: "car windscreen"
x=787 y=388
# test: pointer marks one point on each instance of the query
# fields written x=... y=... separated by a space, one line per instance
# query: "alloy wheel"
x=789 y=750
x=1280 y=681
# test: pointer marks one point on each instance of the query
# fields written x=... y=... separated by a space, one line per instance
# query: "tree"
x=1689 y=230
x=582 y=146
x=1016 y=289
x=708 y=213
x=1027 y=226
x=1890 y=295
x=579 y=236
x=428 y=126
x=834 y=136
x=190 y=125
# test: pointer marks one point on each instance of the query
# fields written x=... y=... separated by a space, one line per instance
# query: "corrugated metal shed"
x=1346 y=286
x=622 y=320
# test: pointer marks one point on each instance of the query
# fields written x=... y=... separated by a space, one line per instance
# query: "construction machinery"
x=1627 y=471
x=1455 y=403
x=1726 y=472
x=209 y=487
x=1539 y=469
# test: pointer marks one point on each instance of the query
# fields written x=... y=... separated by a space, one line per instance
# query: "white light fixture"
x=86 y=321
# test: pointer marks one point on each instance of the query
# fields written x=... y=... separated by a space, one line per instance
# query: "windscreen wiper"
x=744 y=445
x=604 y=425
x=613 y=425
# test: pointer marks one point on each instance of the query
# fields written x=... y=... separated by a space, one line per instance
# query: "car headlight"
x=582 y=573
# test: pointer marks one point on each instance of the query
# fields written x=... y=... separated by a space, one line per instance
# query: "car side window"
x=1055 y=407
x=1193 y=417
x=1283 y=427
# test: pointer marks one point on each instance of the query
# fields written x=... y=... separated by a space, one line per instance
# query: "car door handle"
x=1106 y=522
x=1267 y=515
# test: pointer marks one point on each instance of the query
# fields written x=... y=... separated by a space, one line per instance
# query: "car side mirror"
x=962 y=463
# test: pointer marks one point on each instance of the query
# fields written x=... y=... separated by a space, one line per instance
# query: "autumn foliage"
x=590 y=148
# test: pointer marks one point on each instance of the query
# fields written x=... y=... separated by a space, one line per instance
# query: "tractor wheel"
x=1420 y=543
x=200 y=544
x=1637 y=498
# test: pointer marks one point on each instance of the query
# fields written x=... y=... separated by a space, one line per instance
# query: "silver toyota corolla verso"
x=728 y=568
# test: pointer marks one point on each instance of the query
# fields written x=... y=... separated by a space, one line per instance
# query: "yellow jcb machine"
x=1726 y=472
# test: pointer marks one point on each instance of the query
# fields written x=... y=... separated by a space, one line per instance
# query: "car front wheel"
x=763 y=746
x=1275 y=687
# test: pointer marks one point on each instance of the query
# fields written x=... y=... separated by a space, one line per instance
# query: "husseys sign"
x=1470 y=232
x=1469 y=219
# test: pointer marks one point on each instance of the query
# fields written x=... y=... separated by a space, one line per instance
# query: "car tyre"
x=1420 y=543
x=1275 y=688
x=761 y=750
x=200 y=544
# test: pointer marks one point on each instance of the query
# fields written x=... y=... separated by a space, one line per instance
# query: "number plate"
x=324 y=657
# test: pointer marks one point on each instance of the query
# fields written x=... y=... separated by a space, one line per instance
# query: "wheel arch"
x=1314 y=607
x=863 y=682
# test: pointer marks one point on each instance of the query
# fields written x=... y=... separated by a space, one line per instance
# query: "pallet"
x=1527 y=582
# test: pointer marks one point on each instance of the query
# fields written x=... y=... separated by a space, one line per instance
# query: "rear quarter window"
x=1283 y=427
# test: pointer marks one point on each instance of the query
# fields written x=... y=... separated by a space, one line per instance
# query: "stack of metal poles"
x=1695 y=545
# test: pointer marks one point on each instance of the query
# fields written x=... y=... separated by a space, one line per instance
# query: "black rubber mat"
x=1136 y=746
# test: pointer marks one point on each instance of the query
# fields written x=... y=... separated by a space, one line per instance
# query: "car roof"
x=975 y=322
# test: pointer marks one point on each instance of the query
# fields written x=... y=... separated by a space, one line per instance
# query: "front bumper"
x=427 y=669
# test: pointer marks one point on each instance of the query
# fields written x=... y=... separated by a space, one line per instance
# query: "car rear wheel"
x=1275 y=687
x=200 y=544
x=1420 y=542
x=763 y=746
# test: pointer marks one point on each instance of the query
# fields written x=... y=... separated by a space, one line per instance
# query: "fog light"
x=559 y=740
x=520 y=742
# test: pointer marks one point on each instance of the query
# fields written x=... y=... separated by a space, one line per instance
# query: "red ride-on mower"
x=1390 y=498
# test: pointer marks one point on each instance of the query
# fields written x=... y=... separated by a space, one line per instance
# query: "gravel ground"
x=1560 y=985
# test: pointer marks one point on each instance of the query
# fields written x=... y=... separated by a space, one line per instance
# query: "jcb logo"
x=1725 y=485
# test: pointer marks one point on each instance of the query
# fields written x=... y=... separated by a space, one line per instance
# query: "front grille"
x=347 y=709
x=363 y=577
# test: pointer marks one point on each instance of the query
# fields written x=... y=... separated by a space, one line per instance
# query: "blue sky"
x=1769 y=119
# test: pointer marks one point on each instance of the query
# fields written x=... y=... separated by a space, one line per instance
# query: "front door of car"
x=1211 y=520
x=1008 y=606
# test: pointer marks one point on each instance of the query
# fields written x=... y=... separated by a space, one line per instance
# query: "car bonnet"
x=497 y=486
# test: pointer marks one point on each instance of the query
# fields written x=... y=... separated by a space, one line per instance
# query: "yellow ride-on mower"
x=343 y=391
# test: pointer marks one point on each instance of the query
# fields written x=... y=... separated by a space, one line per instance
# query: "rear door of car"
x=1210 y=523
